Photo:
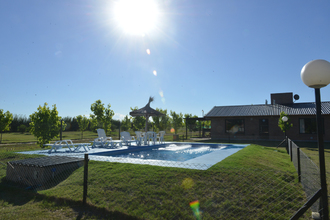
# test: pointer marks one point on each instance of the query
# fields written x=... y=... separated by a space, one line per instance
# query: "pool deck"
x=200 y=163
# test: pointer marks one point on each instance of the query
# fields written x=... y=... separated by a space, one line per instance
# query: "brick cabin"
x=260 y=122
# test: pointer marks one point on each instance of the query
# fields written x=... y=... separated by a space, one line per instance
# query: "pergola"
x=200 y=129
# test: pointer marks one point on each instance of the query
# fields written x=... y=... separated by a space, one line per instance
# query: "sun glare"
x=136 y=17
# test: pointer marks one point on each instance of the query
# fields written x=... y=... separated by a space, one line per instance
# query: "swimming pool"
x=199 y=156
x=173 y=152
x=188 y=155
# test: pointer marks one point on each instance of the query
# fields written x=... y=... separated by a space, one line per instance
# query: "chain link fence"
x=308 y=172
x=157 y=191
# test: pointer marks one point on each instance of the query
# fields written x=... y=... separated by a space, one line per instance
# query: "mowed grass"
x=246 y=185
x=17 y=137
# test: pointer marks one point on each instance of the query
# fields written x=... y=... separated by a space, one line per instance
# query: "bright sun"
x=136 y=17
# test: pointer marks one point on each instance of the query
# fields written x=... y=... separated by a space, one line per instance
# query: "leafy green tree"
x=138 y=121
x=207 y=124
x=22 y=128
x=5 y=120
x=176 y=120
x=284 y=125
x=83 y=122
x=191 y=124
x=102 y=116
x=19 y=120
x=126 y=123
x=71 y=123
x=98 y=112
x=161 y=122
x=107 y=119
x=45 y=124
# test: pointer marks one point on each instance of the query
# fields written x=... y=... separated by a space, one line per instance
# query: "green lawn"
x=17 y=137
x=255 y=183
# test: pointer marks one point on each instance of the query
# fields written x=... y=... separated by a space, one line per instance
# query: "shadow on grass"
x=19 y=197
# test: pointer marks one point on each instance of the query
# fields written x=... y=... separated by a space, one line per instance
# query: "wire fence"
x=162 y=191
x=308 y=171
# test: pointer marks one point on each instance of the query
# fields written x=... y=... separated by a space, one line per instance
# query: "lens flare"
x=195 y=208
x=148 y=51
x=155 y=72
x=187 y=183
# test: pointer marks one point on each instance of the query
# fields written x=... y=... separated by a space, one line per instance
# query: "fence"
x=160 y=191
x=308 y=175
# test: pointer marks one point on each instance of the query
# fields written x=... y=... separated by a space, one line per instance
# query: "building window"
x=307 y=126
x=235 y=126
x=263 y=126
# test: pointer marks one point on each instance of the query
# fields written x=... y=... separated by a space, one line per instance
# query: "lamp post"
x=316 y=74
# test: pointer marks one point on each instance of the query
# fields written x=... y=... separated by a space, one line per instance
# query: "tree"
x=83 y=124
x=72 y=124
x=176 y=120
x=45 y=124
x=126 y=123
x=284 y=125
x=22 y=128
x=161 y=122
x=5 y=120
x=138 y=121
x=19 y=120
x=102 y=116
x=98 y=109
x=191 y=124
x=107 y=119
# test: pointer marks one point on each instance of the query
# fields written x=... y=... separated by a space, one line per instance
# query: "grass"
x=241 y=185
x=17 y=137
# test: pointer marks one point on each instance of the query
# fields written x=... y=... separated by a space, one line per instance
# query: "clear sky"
x=190 y=55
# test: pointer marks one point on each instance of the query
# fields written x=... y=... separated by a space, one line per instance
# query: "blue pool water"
x=173 y=152
x=199 y=156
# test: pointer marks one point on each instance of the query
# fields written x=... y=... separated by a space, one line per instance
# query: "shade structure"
x=146 y=111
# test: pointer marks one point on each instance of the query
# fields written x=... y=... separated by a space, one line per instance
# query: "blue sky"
x=205 y=53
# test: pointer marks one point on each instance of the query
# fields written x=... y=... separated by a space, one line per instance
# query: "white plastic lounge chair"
x=104 y=141
x=101 y=134
x=73 y=147
x=139 y=138
x=100 y=142
x=127 y=138
x=151 y=136
x=160 y=137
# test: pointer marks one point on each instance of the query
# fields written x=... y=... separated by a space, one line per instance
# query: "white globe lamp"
x=316 y=74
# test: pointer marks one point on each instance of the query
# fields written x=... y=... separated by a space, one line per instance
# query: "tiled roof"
x=267 y=110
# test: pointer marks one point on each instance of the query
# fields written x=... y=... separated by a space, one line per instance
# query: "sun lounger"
x=127 y=138
x=104 y=141
x=72 y=147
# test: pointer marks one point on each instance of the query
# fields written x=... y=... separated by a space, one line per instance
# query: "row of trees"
x=45 y=123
